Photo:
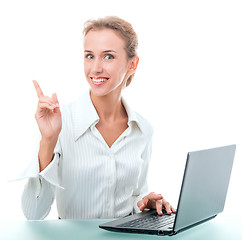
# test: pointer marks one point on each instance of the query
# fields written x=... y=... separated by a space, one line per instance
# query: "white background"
x=187 y=83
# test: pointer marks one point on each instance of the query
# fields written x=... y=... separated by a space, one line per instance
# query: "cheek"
x=117 y=71
x=86 y=68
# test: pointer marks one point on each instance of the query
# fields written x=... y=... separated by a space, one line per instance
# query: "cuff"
x=136 y=208
x=32 y=171
x=50 y=173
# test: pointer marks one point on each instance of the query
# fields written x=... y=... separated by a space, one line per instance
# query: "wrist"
x=46 y=151
x=49 y=140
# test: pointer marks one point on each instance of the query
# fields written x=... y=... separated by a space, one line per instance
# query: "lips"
x=99 y=80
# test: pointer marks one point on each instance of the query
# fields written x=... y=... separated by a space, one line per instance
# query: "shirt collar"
x=85 y=114
x=131 y=114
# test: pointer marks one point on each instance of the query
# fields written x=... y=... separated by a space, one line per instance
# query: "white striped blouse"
x=88 y=178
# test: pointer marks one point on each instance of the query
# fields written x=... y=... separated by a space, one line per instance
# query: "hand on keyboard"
x=155 y=201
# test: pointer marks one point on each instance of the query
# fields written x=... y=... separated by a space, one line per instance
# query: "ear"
x=133 y=65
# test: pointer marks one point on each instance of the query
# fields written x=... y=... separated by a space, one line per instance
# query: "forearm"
x=46 y=152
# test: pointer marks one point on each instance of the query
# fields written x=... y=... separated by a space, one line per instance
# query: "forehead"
x=103 y=39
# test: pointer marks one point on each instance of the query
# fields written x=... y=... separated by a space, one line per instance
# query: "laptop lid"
x=204 y=187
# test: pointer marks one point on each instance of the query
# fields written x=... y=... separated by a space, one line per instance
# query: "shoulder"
x=78 y=106
x=79 y=115
x=67 y=110
x=70 y=113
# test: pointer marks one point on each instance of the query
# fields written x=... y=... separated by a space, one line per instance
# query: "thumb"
x=56 y=102
x=142 y=204
x=55 y=99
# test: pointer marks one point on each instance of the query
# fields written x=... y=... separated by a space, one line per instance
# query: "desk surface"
x=222 y=227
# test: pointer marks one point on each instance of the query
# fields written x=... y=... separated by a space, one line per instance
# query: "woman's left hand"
x=155 y=201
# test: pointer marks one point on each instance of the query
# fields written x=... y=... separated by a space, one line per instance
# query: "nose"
x=97 y=66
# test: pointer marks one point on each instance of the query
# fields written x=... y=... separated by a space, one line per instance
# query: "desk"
x=220 y=228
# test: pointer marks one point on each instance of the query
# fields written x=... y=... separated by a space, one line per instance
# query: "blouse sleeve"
x=39 y=192
x=142 y=189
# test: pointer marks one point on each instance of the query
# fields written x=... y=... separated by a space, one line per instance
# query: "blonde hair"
x=124 y=29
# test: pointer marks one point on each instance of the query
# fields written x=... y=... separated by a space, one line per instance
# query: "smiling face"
x=106 y=64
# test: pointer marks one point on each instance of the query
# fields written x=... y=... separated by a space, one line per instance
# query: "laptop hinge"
x=193 y=225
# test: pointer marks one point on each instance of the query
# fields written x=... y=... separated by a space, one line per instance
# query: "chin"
x=99 y=92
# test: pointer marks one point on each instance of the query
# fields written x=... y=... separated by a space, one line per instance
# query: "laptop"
x=202 y=196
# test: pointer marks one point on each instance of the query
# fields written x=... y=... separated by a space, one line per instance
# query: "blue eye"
x=89 y=56
x=109 y=56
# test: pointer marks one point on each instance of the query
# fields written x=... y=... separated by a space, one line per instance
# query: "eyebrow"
x=106 y=51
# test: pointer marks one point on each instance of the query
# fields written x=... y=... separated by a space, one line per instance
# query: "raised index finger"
x=38 y=89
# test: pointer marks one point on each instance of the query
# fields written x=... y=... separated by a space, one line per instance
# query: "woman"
x=94 y=153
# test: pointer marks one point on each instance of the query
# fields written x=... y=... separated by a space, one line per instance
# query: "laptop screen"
x=205 y=184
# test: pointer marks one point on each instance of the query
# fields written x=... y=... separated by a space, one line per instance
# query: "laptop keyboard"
x=153 y=221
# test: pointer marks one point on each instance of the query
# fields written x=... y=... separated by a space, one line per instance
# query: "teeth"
x=99 y=80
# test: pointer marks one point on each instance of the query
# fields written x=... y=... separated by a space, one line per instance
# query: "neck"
x=108 y=107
